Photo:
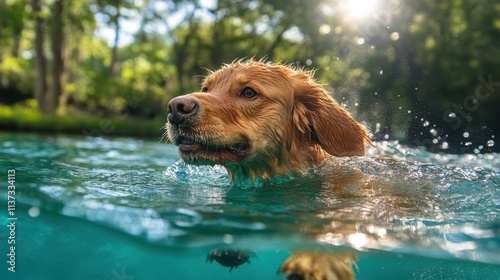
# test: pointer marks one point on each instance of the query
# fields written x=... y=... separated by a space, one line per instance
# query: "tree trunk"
x=16 y=46
x=181 y=48
x=57 y=40
x=181 y=54
x=113 y=68
x=40 y=88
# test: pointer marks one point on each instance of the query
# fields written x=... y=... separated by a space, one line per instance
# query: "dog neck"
x=289 y=163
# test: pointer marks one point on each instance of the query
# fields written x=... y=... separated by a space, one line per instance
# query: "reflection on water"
x=395 y=199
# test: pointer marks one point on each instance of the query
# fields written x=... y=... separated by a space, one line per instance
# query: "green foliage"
x=27 y=117
x=401 y=65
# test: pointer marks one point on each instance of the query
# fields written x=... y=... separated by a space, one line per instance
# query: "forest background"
x=423 y=72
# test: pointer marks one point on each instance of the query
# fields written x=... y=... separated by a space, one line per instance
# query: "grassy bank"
x=26 y=117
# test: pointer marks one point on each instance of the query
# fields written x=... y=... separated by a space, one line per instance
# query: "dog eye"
x=204 y=89
x=248 y=93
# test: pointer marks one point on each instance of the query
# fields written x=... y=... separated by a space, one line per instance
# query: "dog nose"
x=181 y=108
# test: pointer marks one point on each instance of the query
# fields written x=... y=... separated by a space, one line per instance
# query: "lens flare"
x=360 y=9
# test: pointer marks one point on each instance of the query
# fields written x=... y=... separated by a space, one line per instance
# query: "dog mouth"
x=192 y=149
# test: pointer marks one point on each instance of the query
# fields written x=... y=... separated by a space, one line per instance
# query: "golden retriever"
x=258 y=120
x=261 y=119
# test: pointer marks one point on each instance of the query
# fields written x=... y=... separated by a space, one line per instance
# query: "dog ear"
x=326 y=122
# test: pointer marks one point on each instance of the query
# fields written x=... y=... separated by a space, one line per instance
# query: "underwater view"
x=123 y=208
x=92 y=91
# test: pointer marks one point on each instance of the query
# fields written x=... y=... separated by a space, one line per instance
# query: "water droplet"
x=228 y=239
x=400 y=107
x=376 y=93
x=433 y=132
x=34 y=212
x=468 y=143
x=361 y=41
x=356 y=104
x=476 y=151
x=426 y=123
x=409 y=111
x=386 y=136
x=490 y=143
x=466 y=134
x=381 y=72
x=444 y=145
x=435 y=141
x=309 y=62
x=480 y=147
x=452 y=115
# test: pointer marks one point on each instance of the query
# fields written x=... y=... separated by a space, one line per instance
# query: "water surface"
x=122 y=208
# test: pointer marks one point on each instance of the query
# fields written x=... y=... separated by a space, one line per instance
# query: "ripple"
x=137 y=222
x=397 y=198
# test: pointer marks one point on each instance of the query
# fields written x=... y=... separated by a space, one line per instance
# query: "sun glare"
x=360 y=9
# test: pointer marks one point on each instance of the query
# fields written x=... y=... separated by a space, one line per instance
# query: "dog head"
x=260 y=119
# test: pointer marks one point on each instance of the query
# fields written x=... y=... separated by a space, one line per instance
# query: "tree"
x=57 y=45
x=40 y=88
x=114 y=10
x=424 y=72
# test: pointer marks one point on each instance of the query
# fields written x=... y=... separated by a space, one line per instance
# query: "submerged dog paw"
x=310 y=265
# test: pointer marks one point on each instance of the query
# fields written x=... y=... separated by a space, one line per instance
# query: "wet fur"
x=292 y=125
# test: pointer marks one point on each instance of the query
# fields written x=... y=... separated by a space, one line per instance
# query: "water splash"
x=212 y=175
x=397 y=198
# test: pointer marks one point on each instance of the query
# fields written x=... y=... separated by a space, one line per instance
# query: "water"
x=122 y=208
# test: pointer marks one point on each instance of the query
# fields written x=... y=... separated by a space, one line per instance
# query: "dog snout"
x=182 y=108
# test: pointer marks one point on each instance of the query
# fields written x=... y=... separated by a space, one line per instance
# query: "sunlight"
x=360 y=9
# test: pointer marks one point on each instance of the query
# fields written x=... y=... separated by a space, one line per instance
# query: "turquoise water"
x=122 y=208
